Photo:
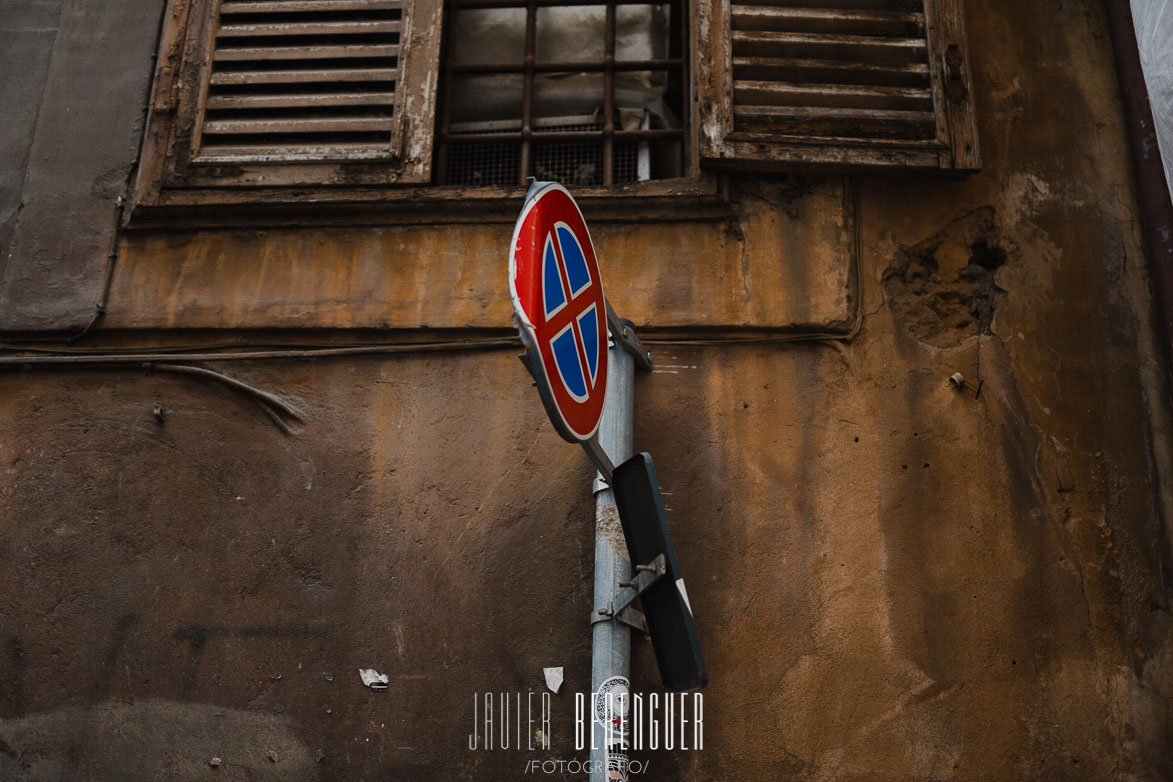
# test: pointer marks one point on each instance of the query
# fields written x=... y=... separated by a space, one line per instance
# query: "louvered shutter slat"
x=284 y=101
x=775 y=93
x=357 y=153
x=819 y=20
x=836 y=122
x=308 y=28
x=295 y=53
x=246 y=78
x=299 y=125
x=807 y=71
x=301 y=79
x=228 y=7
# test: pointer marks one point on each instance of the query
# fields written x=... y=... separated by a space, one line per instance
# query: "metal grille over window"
x=845 y=69
x=299 y=80
x=586 y=95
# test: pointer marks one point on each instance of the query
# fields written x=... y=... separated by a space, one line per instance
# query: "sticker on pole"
x=557 y=296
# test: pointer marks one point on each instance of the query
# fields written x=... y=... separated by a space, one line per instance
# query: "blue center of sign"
x=565 y=277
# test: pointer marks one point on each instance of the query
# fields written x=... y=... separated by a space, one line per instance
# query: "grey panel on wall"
x=27 y=33
x=86 y=133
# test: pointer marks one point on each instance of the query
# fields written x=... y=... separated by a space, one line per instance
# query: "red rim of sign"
x=554 y=205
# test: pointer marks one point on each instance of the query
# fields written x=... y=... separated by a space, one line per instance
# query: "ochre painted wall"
x=756 y=268
x=894 y=579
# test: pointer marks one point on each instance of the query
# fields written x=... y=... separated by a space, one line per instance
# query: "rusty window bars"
x=512 y=139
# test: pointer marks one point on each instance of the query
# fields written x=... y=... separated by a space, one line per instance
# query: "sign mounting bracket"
x=623 y=332
x=618 y=608
x=600 y=458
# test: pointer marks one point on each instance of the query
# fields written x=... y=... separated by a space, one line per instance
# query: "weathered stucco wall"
x=760 y=268
x=893 y=579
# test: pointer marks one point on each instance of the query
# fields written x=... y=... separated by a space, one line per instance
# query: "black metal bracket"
x=619 y=608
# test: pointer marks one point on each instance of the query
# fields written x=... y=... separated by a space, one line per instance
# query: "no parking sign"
x=564 y=321
x=558 y=298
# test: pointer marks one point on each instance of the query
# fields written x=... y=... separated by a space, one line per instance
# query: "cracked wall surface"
x=894 y=578
x=943 y=288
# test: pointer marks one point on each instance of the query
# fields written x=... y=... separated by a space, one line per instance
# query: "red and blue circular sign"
x=558 y=298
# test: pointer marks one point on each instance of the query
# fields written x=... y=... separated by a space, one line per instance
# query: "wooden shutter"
x=835 y=83
x=279 y=93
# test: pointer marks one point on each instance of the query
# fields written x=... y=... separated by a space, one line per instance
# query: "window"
x=587 y=95
x=835 y=83
x=292 y=93
x=337 y=100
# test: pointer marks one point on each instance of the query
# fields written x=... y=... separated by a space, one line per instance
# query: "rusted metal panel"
x=819 y=46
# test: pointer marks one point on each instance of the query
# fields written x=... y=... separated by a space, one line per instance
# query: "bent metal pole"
x=611 y=641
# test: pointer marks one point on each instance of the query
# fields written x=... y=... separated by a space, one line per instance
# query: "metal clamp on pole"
x=630 y=617
x=623 y=333
x=619 y=607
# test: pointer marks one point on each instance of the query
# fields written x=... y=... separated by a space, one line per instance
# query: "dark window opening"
x=584 y=94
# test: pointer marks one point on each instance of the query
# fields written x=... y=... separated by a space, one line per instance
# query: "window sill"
x=688 y=199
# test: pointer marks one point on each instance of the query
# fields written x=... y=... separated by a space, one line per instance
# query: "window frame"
x=183 y=65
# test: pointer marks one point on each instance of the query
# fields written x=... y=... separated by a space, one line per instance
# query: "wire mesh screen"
x=626 y=161
x=483 y=163
x=577 y=161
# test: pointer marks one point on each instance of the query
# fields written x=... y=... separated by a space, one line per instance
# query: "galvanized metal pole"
x=611 y=642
